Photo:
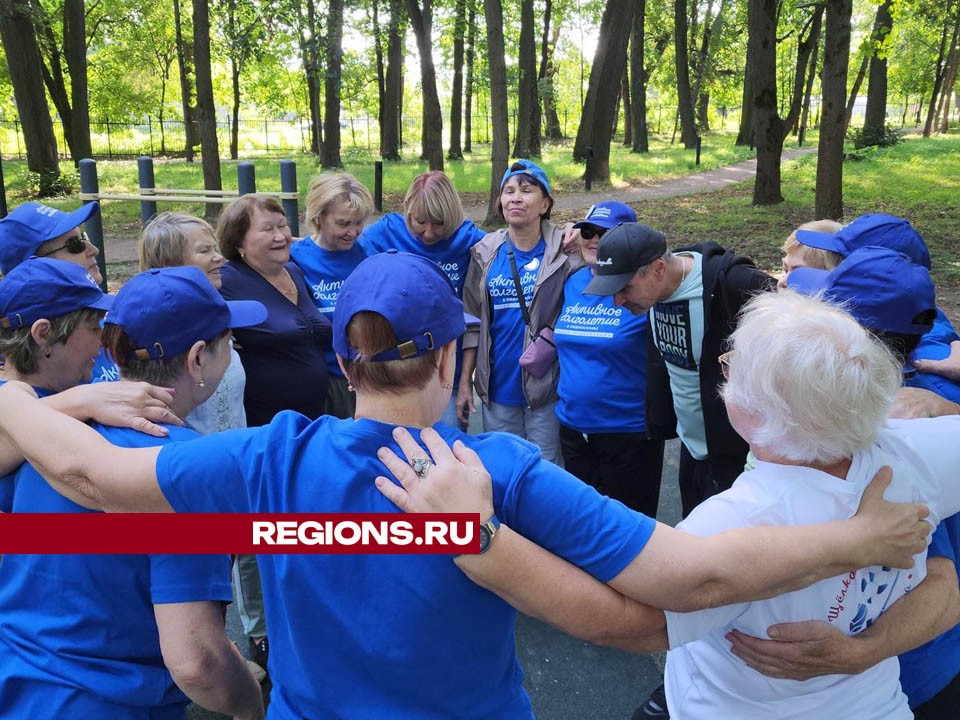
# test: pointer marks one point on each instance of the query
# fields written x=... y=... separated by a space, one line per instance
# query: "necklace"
x=290 y=294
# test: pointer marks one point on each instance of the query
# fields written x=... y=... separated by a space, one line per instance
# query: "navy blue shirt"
x=283 y=356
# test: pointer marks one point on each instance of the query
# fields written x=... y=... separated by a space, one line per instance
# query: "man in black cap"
x=693 y=297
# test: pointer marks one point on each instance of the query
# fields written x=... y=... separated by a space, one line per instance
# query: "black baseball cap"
x=624 y=250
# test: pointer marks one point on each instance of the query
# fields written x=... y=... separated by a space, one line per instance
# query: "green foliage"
x=45 y=185
x=882 y=137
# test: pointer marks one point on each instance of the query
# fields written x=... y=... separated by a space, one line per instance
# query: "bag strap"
x=516 y=284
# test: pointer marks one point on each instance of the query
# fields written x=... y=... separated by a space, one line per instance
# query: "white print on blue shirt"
x=503 y=290
x=325 y=293
x=587 y=320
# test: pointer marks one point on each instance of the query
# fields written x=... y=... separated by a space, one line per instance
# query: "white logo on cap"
x=599 y=212
x=44 y=210
x=604 y=263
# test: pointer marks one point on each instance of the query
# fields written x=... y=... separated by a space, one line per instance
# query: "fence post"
x=699 y=140
x=3 y=192
x=800 y=136
x=109 y=146
x=148 y=208
x=94 y=225
x=266 y=133
x=588 y=173
x=378 y=185
x=288 y=184
x=16 y=134
x=246 y=177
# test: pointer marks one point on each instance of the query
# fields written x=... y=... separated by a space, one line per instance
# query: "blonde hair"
x=331 y=188
x=431 y=195
x=164 y=241
x=810 y=256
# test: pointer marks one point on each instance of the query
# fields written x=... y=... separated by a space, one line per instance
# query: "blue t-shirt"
x=78 y=637
x=603 y=361
x=451 y=254
x=392 y=636
x=507 y=327
x=8 y=482
x=928 y=669
x=104 y=368
x=325 y=272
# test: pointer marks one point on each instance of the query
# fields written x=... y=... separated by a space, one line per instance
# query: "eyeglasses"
x=724 y=362
x=589 y=232
x=75 y=245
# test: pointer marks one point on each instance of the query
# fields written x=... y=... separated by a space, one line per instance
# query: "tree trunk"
x=627 y=109
x=767 y=124
x=52 y=69
x=704 y=66
x=235 y=120
x=554 y=130
x=393 y=85
x=836 y=59
x=937 y=80
x=544 y=91
x=855 y=89
x=75 y=50
x=493 y=13
x=421 y=20
x=23 y=65
x=745 y=132
x=209 y=146
x=638 y=81
x=468 y=90
x=688 y=129
x=185 y=63
x=811 y=76
x=527 y=85
x=330 y=149
x=456 y=96
x=950 y=78
x=875 y=118
x=596 y=119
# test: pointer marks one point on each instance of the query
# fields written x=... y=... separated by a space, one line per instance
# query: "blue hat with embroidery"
x=874 y=230
x=414 y=295
x=528 y=168
x=164 y=311
x=47 y=288
x=29 y=226
x=883 y=289
x=608 y=215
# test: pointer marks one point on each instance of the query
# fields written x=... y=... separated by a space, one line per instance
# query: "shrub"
x=875 y=137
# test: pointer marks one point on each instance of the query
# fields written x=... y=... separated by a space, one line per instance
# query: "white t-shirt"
x=705 y=680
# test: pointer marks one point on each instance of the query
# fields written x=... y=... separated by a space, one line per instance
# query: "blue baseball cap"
x=164 y=311
x=29 y=226
x=414 y=295
x=883 y=290
x=874 y=230
x=608 y=215
x=47 y=288
x=526 y=167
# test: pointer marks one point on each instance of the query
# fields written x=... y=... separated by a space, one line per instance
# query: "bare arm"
x=136 y=405
x=203 y=662
x=465 y=401
x=76 y=460
x=531 y=579
x=919 y=403
x=803 y=650
x=949 y=367
x=681 y=572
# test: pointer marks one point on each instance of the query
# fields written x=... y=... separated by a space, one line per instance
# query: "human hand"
x=457 y=482
x=799 y=651
x=949 y=367
x=125 y=403
x=465 y=402
x=571 y=239
x=919 y=403
x=889 y=533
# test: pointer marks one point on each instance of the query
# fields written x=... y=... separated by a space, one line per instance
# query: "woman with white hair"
x=809 y=389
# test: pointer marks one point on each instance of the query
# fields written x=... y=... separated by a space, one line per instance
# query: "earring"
x=351 y=388
x=448 y=386
x=201 y=384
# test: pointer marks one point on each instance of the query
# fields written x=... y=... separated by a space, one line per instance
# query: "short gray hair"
x=817 y=384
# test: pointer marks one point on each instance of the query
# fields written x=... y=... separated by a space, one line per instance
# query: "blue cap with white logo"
x=29 y=226
x=608 y=214
x=529 y=168
x=414 y=295
x=47 y=288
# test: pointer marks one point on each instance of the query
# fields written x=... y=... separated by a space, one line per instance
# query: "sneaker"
x=654 y=707
x=260 y=651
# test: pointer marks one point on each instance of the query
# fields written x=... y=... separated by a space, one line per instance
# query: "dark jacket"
x=729 y=280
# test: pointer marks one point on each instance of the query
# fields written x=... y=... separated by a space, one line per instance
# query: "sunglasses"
x=724 y=361
x=75 y=245
x=589 y=232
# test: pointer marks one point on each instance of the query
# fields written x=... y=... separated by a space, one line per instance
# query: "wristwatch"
x=488 y=531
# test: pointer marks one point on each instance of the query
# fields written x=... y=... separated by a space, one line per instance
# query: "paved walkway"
x=124 y=250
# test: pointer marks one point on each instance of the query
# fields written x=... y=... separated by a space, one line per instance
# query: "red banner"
x=327 y=533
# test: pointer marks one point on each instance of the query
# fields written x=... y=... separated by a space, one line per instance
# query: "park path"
x=124 y=249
